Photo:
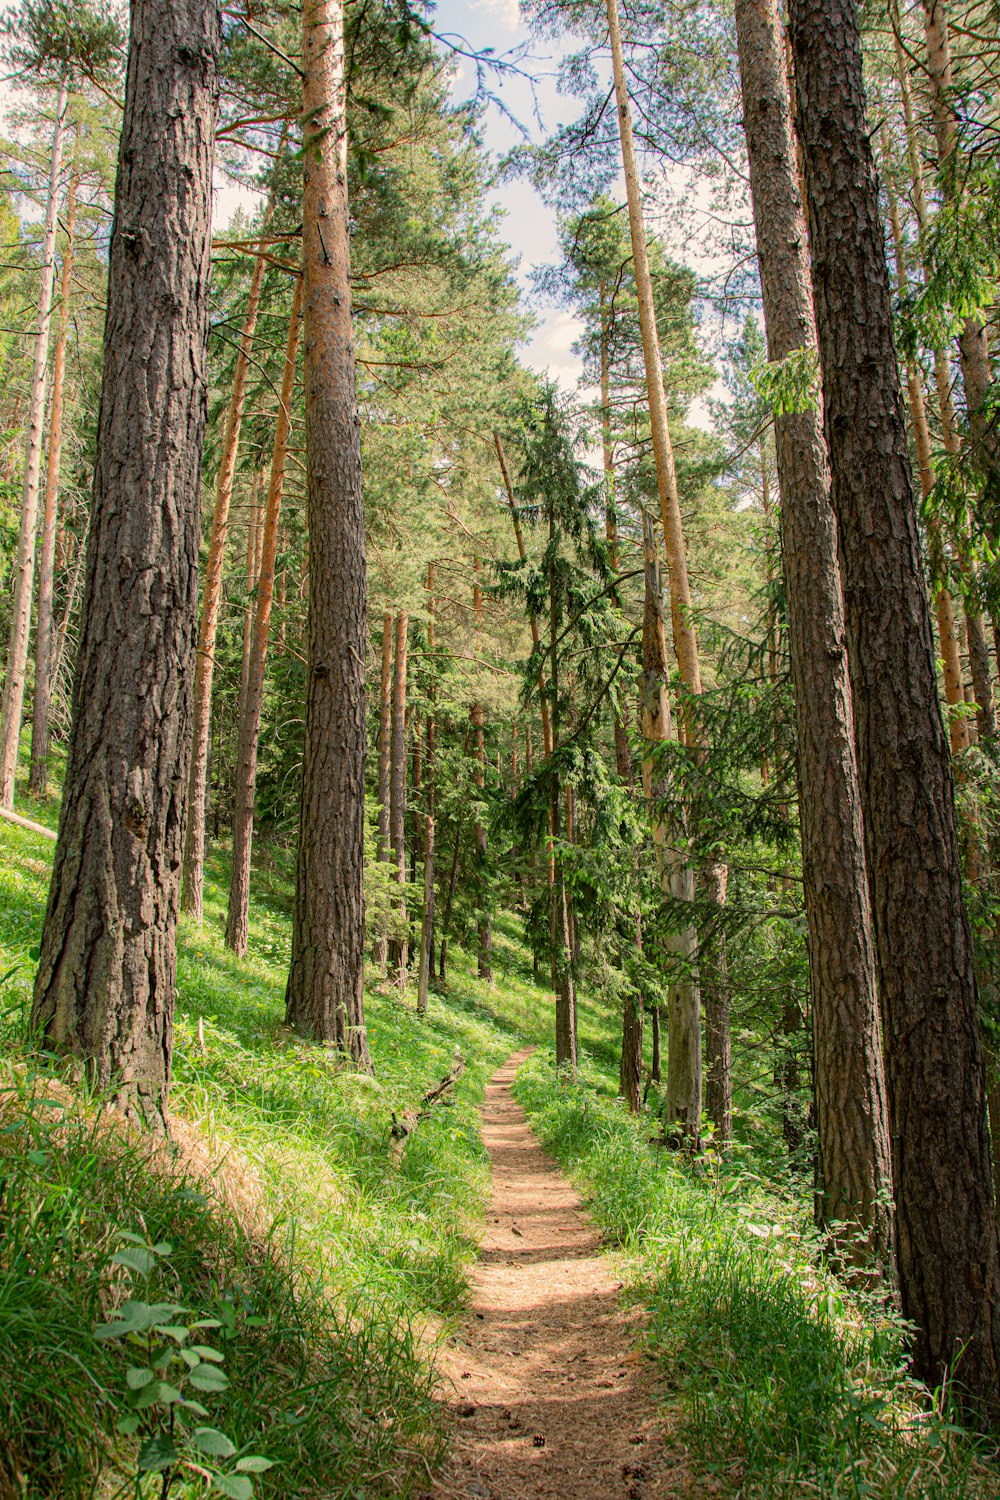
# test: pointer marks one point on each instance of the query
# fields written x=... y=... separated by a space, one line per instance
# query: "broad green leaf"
x=136 y=1378
x=208 y=1378
x=210 y=1440
x=38 y=1158
x=158 y=1393
x=207 y=1352
x=156 y=1455
x=136 y=1259
x=172 y=1331
x=127 y=1425
x=236 y=1486
x=254 y=1464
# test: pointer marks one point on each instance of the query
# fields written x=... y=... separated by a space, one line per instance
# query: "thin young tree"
x=684 y=1073
x=57 y=43
x=325 y=984
x=193 y=881
x=42 y=697
x=238 y=915
x=948 y=1254
x=104 y=991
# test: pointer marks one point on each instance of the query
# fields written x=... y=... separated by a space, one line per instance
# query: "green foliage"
x=174 y=1360
x=69 y=39
x=788 y=385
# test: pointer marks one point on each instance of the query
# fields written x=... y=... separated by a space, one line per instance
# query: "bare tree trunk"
x=851 y=1113
x=483 y=927
x=105 y=984
x=193 y=883
x=41 y=706
x=683 y=1066
x=426 y=963
x=399 y=948
x=238 y=916
x=325 y=985
x=949 y=1259
x=381 y=950
x=24 y=566
x=254 y=529
x=715 y=995
x=684 y=1075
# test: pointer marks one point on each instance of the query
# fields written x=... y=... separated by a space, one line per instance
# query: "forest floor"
x=550 y=1397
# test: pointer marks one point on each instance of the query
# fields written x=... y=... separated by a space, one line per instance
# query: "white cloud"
x=507 y=12
x=549 y=350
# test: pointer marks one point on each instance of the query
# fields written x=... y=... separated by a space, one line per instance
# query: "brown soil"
x=549 y=1394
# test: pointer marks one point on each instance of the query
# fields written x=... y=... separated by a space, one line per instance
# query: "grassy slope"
x=308 y=1214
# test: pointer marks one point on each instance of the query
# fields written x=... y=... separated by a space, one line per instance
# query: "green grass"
x=785 y=1384
x=333 y=1268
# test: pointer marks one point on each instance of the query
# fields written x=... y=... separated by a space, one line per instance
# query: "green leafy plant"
x=172 y=1362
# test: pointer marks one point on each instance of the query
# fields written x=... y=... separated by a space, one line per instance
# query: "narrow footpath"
x=548 y=1393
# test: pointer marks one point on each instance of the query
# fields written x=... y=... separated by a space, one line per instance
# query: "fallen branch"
x=402 y=1128
x=13 y=817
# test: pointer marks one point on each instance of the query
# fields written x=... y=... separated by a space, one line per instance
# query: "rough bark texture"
x=105 y=984
x=193 y=882
x=245 y=781
x=426 y=961
x=949 y=1264
x=397 y=785
x=851 y=1109
x=24 y=565
x=483 y=927
x=325 y=996
x=381 y=949
x=41 y=705
x=715 y=996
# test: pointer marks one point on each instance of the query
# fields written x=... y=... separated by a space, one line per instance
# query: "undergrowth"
x=787 y=1385
x=330 y=1266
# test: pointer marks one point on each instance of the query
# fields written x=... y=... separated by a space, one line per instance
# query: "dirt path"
x=550 y=1397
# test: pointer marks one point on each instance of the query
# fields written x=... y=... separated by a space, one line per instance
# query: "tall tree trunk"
x=715 y=995
x=24 y=565
x=325 y=985
x=238 y=916
x=381 y=950
x=851 y=1110
x=104 y=990
x=683 y=1066
x=397 y=788
x=193 y=882
x=483 y=926
x=949 y=1260
x=684 y=1070
x=560 y=937
x=426 y=962
x=41 y=706
x=254 y=529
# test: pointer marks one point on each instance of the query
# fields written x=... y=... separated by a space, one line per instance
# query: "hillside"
x=333 y=1265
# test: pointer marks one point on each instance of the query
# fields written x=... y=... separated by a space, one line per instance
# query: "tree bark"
x=105 y=984
x=684 y=1064
x=254 y=530
x=245 y=788
x=949 y=1262
x=426 y=962
x=381 y=950
x=41 y=706
x=397 y=787
x=325 y=985
x=483 y=927
x=853 y=1201
x=24 y=566
x=715 y=996
x=193 y=883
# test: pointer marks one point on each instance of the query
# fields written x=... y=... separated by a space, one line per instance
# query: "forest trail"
x=550 y=1399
